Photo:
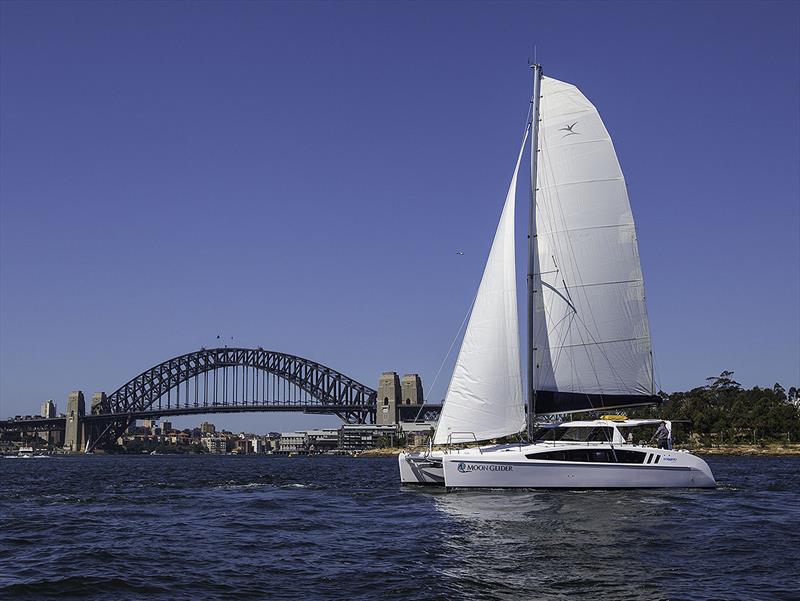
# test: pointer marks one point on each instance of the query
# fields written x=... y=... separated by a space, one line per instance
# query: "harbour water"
x=258 y=527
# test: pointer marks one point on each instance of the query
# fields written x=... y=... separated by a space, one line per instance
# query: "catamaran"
x=588 y=338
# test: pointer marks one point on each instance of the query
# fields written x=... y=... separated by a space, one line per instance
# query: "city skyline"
x=179 y=176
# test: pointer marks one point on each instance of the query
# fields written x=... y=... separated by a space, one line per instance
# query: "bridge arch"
x=307 y=386
x=326 y=385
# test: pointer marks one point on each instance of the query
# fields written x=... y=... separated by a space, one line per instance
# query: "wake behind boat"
x=588 y=337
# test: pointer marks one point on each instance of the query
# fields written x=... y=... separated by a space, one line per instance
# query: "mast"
x=534 y=128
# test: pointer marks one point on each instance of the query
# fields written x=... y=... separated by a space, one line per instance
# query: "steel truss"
x=230 y=380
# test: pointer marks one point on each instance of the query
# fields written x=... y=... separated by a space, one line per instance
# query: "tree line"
x=724 y=412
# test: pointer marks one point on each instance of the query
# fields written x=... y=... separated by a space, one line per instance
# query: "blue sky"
x=299 y=176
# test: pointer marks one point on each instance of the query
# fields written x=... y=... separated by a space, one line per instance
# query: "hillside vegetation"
x=722 y=412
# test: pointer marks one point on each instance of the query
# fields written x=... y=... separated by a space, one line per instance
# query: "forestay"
x=591 y=335
x=484 y=398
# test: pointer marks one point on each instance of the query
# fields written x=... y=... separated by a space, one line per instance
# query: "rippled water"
x=180 y=527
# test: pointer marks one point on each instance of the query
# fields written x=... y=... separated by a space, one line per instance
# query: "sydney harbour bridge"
x=219 y=380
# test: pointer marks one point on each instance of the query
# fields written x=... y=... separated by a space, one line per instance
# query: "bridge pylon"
x=76 y=409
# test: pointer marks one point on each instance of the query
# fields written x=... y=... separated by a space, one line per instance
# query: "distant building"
x=273 y=441
x=49 y=409
x=49 y=412
x=178 y=438
x=417 y=434
x=207 y=428
x=359 y=437
x=293 y=442
x=215 y=444
x=258 y=445
x=321 y=440
x=242 y=446
x=166 y=427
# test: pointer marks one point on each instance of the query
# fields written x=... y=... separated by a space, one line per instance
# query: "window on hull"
x=591 y=456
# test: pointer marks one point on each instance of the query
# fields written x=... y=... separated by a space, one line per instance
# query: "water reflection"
x=560 y=543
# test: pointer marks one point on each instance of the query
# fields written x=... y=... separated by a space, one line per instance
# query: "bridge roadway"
x=222 y=380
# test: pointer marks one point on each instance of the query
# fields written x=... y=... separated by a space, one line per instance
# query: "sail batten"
x=484 y=398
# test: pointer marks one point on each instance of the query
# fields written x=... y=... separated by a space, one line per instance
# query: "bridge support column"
x=388 y=399
x=412 y=389
x=410 y=409
x=76 y=409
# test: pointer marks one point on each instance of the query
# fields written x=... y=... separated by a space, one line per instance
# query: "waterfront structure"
x=258 y=445
x=323 y=439
x=215 y=444
x=417 y=433
x=73 y=433
x=202 y=382
x=359 y=437
x=348 y=438
x=293 y=442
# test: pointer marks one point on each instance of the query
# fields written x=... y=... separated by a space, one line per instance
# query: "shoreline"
x=748 y=450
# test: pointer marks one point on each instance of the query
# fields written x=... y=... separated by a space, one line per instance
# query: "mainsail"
x=484 y=398
x=591 y=337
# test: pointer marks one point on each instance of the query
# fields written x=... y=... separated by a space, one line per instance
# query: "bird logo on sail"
x=569 y=131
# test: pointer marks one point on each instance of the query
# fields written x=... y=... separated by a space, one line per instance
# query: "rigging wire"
x=452 y=344
x=472 y=304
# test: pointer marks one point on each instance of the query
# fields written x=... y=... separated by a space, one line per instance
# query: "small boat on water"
x=588 y=337
x=28 y=452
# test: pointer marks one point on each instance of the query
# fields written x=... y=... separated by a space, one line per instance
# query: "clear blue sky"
x=300 y=176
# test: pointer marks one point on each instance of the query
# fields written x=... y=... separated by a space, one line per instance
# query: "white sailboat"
x=588 y=340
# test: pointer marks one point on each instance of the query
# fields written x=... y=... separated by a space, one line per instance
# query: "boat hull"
x=517 y=467
x=672 y=469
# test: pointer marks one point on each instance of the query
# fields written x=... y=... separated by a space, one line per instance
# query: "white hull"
x=517 y=467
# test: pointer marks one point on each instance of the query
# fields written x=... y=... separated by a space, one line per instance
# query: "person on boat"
x=662 y=435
